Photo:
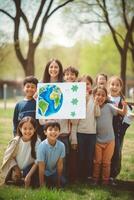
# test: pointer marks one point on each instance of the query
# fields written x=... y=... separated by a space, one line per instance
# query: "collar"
x=51 y=146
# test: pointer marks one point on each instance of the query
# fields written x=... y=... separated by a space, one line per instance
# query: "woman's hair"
x=95 y=90
x=46 y=75
x=34 y=137
x=120 y=81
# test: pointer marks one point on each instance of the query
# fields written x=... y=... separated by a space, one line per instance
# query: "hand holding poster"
x=61 y=101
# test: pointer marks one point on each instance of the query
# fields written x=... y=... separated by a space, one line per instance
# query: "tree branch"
x=58 y=7
x=38 y=15
x=25 y=20
x=6 y=13
x=124 y=14
x=44 y=20
x=46 y=16
x=90 y=22
x=106 y=15
x=16 y=34
x=127 y=27
x=88 y=4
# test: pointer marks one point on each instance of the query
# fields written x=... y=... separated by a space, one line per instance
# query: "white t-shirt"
x=127 y=118
x=24 y=157
x=115 y=100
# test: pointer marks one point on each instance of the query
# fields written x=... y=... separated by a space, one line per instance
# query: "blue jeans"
x=86 y=147
x=51 y=181
x=116 y=159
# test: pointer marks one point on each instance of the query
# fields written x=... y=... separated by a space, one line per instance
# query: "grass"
x=76 y=191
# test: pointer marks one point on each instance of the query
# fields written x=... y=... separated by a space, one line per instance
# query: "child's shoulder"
x=21 y=101
x=25 y=101
x=60 y=144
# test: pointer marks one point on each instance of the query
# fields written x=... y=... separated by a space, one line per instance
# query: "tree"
x=112 y=13
x=122 y=42
x=47 y=8
x=3 y=46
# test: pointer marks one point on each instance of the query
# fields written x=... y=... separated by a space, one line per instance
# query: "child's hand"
x=96 y=101
x=124 y=103
x=35 y=95
x=16 y=173
x=74 y=146
x=27 y=181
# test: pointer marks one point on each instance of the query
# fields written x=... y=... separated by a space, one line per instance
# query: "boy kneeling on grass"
x=50 y=156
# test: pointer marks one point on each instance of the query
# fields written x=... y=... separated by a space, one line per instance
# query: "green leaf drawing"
x=74 y=101
x=74 y=88
x=73 y=114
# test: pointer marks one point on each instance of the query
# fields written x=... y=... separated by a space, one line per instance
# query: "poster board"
x=61 y=101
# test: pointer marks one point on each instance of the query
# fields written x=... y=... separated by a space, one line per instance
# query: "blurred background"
x=95 y=36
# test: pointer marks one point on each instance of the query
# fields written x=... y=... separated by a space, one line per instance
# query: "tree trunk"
x=123 y=69
x=132 y=53
x=29 y=68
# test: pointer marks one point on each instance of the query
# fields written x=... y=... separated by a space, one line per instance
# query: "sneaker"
x=112 y=181
x=94 y=183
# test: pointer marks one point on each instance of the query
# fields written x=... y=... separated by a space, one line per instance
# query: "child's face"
x=70 y=76
x=101 y=81
x=52 y=134
x=27 y=131
x=88 y=86
x=100 y=96
x=115 y=87
x=29 y=90
x=53 y=70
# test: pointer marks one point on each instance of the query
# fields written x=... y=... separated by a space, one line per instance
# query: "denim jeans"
x=86 y=148
x=51 y=181
x=116 y=159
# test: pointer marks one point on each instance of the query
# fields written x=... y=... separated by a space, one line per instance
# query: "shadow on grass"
x=125 y=185
x=122 y=186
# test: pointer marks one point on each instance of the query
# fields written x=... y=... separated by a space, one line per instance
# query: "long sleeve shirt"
x=22 y=109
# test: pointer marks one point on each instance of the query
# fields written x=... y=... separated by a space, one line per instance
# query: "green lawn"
x=72 y=192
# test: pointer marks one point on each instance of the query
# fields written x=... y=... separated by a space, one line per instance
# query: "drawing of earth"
x=50 y=100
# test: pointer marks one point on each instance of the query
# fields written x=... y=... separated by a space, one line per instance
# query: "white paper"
x=61 y=101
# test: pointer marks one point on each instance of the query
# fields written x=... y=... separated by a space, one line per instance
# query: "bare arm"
x=29 y=175
x=73 y=135
x=96 y=107
x=122 y=111
x=41 y=173
x=59 y=171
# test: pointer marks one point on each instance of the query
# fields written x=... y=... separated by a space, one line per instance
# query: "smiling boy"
x=50 y=156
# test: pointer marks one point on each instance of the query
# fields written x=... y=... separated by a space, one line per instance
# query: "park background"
x=95 y=36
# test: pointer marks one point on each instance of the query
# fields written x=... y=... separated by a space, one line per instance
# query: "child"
x=70 y=75
x=50 y=156
x=120 y=123
x=101 y=80
x=19 y=158
x=53 y=72
x=105 y=135
x=27 y=106
x=86 y=134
